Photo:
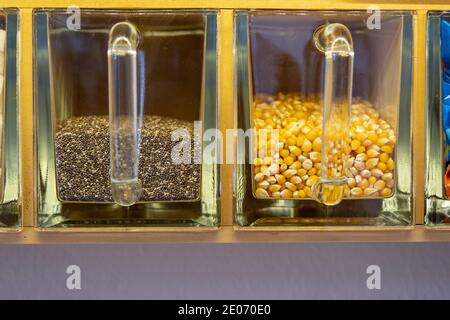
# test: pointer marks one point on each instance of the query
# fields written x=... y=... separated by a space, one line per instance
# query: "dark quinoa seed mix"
x=83 y=169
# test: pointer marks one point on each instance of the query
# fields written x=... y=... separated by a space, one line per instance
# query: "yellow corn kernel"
x=356 y=191
x=390 y=164
x=386 y=148
x=370 y=192
x=312 y=172
x=288 y=160
x=257 y=169
x=317 y=144
x=295 y=150
x=306 y=129
x=307 y=164
x=380 y=184
x=312 y=180
x=360 y=149
x=308 y=191
x=280 y=179
x=301 y=194
x=286 y=194
x=301 y=172
x=386 y=192
x=351 y=182
x=372 y=137
x=295 y=180
x=355 y=144
x=361 y=157
x=261 y=193
x=317 y=165
x=382 y=166
x=384 y=157
x=290 y=186
x=372 y=153
x=383 y=141
x=296 y=165
x=274 y=188
x=364 y=184
x=315 y=156
x=263 y=184
x=392 y=139
x=273 y=169
x=300 y=140
x=271 y=180
x=377 y=172
x=291 y=141
x=289 y=173
x=306 y=146
x=372 y=180
x=371 y=163
x=259 y=177
x=360 y=136
x=280 y=161
x=311 y=135
x=284 y=153
x=367 y=143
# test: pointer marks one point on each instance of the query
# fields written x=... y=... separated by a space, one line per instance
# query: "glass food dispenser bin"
x=123 y=98
x=9 y=146
x=437 y=190
x=323 y=100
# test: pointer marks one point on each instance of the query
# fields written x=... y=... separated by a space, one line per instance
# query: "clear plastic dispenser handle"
x=124 y=115
x=335 y=41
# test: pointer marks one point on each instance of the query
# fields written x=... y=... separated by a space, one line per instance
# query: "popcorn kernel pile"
x=294 y=167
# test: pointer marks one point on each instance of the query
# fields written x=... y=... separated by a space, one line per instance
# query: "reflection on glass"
x=125 y=118
x=335 y=41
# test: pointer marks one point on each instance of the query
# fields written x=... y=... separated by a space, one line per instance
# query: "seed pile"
x=83 y=169
x=293 y=167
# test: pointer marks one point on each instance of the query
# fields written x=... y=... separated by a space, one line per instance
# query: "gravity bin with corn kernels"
x=326 y=98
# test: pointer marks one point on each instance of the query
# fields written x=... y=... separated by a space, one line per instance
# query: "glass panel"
x=9 y=160
x=287 y=84
x=161 y=97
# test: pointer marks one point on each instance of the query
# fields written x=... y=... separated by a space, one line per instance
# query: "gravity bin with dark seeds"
x=123 y=98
